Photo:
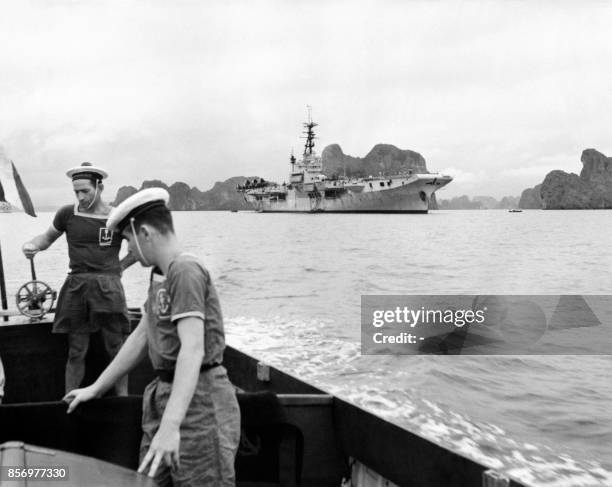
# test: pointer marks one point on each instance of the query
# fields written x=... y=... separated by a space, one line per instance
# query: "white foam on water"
x=305 y=349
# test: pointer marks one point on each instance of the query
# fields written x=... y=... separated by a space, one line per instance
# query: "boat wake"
x=307 y=349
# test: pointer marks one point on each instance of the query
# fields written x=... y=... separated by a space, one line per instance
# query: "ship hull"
x=409 y=196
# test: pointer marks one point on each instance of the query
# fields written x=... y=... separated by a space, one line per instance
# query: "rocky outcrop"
x=155 y=183
x=486 y=202
x=222 y=196
x=531 y=198
x=383 y=159
x=184 y=197
x=478 y=203
x=596 y=167
x=460 y=203
x=508 y=202
x=591 y=190
x=563 y=191
x=124 y=193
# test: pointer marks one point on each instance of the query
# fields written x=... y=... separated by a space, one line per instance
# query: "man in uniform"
x=92 y=297
x=191 y=419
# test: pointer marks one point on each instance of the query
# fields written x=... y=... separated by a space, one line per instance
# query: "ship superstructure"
x=309 y=190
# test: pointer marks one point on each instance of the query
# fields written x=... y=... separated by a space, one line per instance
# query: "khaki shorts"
x=210 y=432
x=90 y=301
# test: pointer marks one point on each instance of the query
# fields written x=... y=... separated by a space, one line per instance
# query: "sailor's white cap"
x=135 y=205
x=87 y=171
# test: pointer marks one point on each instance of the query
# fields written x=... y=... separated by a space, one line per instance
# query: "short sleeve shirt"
x=186 y=290
x=91 y=246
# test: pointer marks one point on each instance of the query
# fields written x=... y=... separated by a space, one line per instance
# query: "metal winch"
x=35 y=298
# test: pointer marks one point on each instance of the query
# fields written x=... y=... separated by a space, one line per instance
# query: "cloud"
x=203 y=91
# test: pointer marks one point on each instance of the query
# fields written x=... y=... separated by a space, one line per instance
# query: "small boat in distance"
x=515 y=210
x=311 y=191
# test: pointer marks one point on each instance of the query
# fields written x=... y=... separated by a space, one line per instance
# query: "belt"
x=168 y=375
x=92 y=273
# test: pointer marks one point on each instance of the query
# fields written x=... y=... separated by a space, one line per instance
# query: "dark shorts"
x=210 y=431
x=88 y=302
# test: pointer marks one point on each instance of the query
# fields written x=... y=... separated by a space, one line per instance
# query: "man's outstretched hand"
x=77 y=396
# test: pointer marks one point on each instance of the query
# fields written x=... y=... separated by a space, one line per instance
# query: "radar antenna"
x=310 y=135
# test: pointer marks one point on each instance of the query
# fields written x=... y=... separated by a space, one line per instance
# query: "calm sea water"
x=290 y=287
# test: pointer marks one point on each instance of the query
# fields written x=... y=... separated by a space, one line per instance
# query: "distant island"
x=382 y=160
x=568 y=191
x=222 y=196
x=479 y=203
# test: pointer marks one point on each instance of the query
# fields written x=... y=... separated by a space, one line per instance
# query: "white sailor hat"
x=136 y=205
x=87 y=171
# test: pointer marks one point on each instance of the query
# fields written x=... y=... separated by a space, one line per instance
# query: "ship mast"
x=310 y=135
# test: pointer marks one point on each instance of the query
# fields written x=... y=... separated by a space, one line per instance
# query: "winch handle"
x=32 y=269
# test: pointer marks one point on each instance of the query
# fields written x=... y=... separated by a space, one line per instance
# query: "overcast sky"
x=495 y=93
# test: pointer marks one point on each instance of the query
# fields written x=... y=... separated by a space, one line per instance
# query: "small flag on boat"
x=26 y=201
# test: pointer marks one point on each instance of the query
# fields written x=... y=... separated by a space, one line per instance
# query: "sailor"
x=92 y=297
x=191 y=419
